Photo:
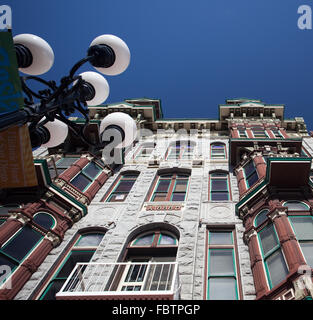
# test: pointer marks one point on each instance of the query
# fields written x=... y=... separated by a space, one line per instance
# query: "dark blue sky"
x=190 y=54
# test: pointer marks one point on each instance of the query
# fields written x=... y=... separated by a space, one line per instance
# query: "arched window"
x=181 y=150
x=44 y=219
x=219 y=186
x=150 y=256
x=121 y=187
x=170 y=187
x=145 y=150
x=82 y=250
x=218 y=150
x=261 y=217
x=273 y=258
x=295 y=205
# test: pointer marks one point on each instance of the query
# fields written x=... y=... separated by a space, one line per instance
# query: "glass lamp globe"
x=100 y=86
x=42 y=53
x=125 y=123
x=121 y=51
x=58 y=133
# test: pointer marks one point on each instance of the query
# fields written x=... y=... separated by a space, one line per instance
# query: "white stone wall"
x=130 y=215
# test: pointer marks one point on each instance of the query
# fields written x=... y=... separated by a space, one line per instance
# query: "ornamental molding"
x=278 y=212
x=19 y=216
x=250 y=233
x=53 y=238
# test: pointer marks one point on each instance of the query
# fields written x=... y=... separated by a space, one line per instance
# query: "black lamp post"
x=47 y=119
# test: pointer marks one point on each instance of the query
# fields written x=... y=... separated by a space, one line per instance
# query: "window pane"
x=54 y=287
x=268 y=239
x=178 y=197
x=136 y=273
x=252 y=179
x=117 y=197
x=124 y=186
x=180 y=186
x=303 y=227
x=163 y=185
x=4 y=209
x=22 y=243
x=222 y=288
x=6 y=261
x=219 y=185
x=221 y=262
x=295 y=205
x=159 y=197
x=307 y=249
x=90 y=240
x=75 y=257
x=44 y=220
x=261 y=217
x=249 y=168
x=66 y=162
x=80 y=182
x=219 y=196
x=145 y=240
x=167 y=239
x=92 y=170
x=220 y=237
x=277 y=267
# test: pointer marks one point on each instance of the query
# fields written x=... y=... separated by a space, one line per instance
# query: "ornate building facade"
x=200 y=209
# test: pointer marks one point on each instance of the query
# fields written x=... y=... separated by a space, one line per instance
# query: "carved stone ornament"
x=53 y=238
x=19 y=217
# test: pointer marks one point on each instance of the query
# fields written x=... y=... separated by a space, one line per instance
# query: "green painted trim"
x=55 y=277
x=47 y=214
x=227 y=182
x=43 y=162
x=266 y=180
x=222 y=276
x=146 y=245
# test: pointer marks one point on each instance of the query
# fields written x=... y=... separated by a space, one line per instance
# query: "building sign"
x=167 y=207
x=17 y=168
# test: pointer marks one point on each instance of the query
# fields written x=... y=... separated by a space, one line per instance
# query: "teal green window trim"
x=276 y=249
x=217 y=194
x=302 y=205
x=251 y=177
x=171 y=193
x=260 y=217
x=222 y=245
x=145 y=151
x=221 y=231
x=135 y=242
x=128 y=178
x=230 y=275
x=182 y=193
x=218 y=150
x=168 y=235
x=53 y=224
x=56 y=276
x=73 y=253
x=303 y=240
x=85 y=175
x=15 y=262
x=2 y=221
